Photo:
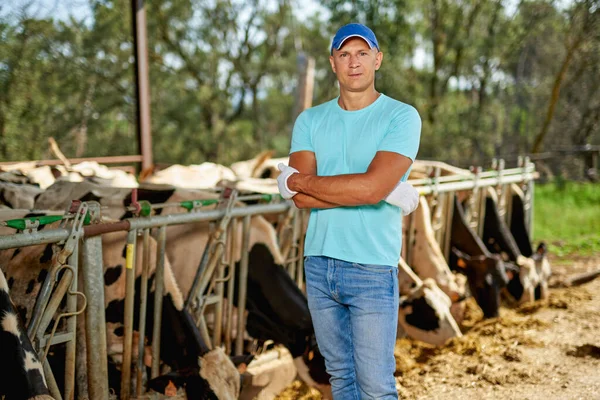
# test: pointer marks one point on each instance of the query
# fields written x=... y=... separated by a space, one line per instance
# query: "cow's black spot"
x=112 y=274
x=22 y=311
x=151 y=195
x=266 y=174
x=115 y=311
x=89 y=196
x=30 y=286
x=15 y=253
x=3 y=199
x=538 y=292
x=42 y=276
x=423 y=315
x=11 y=281
x=119 y=331
x=124 y=252
x=47 y=255
x=515 y=287
x=31 y=215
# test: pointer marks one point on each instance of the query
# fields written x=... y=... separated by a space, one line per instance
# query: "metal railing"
x=217 y=267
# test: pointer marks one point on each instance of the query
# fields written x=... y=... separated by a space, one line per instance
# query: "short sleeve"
x=301 y=138
x=404 y=134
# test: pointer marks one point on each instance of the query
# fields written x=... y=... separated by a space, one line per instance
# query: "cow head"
x=215 y=377
x=311 y=368
x=424 y=314
x=486 y=275
x=543 y=269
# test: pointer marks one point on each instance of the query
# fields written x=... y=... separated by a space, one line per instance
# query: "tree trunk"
x=537 y=144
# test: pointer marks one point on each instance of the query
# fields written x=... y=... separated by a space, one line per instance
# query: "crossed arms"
x=370 y=187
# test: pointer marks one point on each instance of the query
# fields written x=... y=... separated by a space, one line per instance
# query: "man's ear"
x=378 y=60
x=332 y=64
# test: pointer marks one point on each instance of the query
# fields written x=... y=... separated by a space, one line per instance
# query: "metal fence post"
x=72 y=327
x=529 y=197
x=158 y=298
x=130 y=265
x=143 y=308
x=93 y=287
x=239 y=340
x=300 y=267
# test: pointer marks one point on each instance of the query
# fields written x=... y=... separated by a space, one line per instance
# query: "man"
x=347 y=156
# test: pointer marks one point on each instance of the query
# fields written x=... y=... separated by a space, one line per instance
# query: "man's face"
x=355 y=64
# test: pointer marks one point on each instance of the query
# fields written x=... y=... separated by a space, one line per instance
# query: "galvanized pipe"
x=214 y=262
x=174 y=219
x=206 y=255
x=41 y=302
x=300 y=268
x=158 y=299
x=54 y=302
x=128 y=322
x=93 y=288
x=437 y=223
x=530 y=202
x=70 y=355
x=293 y=247
x=204 y=332
x=143 y=307
x=57 y=235
x=219 y=291
x=448 y=224
x=32 y=239
x=469 y=184
x=481 y=213
x=140 y=43
x=243 y=286
x=230 y=284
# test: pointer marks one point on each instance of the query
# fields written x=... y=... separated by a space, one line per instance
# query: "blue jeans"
x=354 y=309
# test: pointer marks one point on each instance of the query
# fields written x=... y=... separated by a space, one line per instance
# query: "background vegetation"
x=567 y=217
x=489 y=77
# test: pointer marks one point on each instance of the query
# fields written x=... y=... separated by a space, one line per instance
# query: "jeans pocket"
x=383 y=269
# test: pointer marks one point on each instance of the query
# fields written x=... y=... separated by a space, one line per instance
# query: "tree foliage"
x=489 y=77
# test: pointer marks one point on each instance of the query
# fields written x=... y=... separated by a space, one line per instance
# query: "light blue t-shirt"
x=345 y=142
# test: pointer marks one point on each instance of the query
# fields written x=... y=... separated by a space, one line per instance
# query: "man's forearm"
x=343 y=190
x=302 y=200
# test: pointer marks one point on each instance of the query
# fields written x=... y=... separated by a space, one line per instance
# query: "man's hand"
x=404 y=196
x=284 y=190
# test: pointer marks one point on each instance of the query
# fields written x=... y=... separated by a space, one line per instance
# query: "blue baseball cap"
x=354 y=30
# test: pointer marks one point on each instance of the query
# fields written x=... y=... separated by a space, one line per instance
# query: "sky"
x=63 y=9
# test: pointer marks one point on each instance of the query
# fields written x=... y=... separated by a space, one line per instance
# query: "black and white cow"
x=181 y=344
x=499 y=239
x=424 y=309
x=21 y=372
x=522 y=236
x=486 y=272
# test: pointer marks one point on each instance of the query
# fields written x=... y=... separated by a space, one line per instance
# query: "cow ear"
x=541 y=250
x=461 y=263
x=171 y=389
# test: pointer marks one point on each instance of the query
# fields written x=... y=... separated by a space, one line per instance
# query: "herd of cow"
x=500 y=263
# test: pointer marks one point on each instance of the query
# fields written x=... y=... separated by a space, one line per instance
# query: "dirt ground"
x=546 y=350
